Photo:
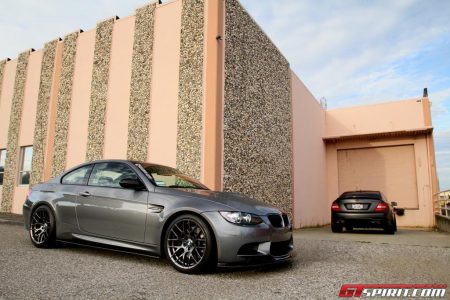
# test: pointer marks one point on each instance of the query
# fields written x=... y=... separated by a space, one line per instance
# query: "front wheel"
x=189 y=244
x=43 y=227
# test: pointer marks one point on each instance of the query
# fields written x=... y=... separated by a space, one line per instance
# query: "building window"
x=2 y=164
x=26 y=154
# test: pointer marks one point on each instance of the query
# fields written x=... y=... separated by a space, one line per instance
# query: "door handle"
x=85 y=194
x=155 y=208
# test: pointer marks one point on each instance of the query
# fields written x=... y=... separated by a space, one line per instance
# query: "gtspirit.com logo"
x=393 y=290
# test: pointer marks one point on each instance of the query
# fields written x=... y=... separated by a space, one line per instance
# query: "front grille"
x=286 y=220
x=276 y=221
x=279 y=221
x=280 y=248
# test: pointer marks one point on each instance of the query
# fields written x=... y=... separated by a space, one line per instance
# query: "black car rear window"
x=366 y=195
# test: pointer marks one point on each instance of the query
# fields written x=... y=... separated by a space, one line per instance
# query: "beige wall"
x=28 y=119
x=310 y=172
x=423 y=216
x=162 y=147
x=81 y=95
x=5 y=104
x=5 y=100
x=376 y=118
x=116 y=123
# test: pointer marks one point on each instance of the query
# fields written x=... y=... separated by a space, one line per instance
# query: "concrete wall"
x=309 y=154
x=257 y=149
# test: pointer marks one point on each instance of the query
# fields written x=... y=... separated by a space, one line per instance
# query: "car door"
x=106 y=209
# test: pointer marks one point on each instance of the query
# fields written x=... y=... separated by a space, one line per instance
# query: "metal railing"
x=442 y=204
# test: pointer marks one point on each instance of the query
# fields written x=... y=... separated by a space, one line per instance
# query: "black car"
x=363 y=209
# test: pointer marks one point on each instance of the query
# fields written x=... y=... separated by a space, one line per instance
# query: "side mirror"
x=131 y=183
x=394 y=203
x=400 y=211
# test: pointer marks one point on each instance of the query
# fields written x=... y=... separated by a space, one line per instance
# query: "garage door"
x=391 y=170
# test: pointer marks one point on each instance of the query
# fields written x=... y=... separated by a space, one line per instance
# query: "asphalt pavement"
x=323 y=262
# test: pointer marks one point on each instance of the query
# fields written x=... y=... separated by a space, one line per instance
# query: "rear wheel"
x=43 y=227
x=189 y=244
x=390 y=227
x=336 y=227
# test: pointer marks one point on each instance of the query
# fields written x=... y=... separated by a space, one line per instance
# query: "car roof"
x=361 y=194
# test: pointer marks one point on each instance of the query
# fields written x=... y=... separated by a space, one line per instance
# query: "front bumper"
x=250 y=245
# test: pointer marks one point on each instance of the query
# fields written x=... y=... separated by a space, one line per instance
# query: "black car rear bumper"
x=359 y=219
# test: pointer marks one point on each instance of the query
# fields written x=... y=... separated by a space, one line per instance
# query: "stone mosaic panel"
x=99 y=90
x=63 y=103
x=11 y=165
x=190 y=100
x=141 y=76
x=257 y=113
x=42 y=112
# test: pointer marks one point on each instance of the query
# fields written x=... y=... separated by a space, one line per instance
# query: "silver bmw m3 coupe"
x=157 y=210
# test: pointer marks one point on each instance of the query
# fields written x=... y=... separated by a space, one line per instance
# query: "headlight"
x=241 y=218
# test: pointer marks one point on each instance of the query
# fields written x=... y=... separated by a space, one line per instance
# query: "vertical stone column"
x=141 y=76
x=64 y=103
x=257 y=113
x=42 y=111
x=12 y=157
x=190 y=101
x=99 y=90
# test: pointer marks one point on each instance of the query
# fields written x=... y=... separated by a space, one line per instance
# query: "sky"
x=350 y=52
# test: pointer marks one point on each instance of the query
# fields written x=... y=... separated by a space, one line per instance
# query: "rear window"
x=365 y=195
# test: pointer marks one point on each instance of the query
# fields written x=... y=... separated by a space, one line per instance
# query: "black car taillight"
x=382 y=207
x=335 y=206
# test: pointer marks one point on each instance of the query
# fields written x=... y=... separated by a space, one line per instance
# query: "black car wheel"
x=189 y=244
x=336 y=227
x=42 y=227
x=390 y=227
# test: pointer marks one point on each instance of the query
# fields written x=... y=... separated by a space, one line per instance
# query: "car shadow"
x=149 y=259
x=365 y=231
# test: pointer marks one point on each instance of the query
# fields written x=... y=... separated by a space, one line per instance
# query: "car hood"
x=235 y=201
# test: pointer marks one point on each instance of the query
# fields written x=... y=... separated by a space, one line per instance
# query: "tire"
x=389 y=228
x=189 y=244
x=336 y=228
x=349 y=228
x=395 y=224
x=43 y=227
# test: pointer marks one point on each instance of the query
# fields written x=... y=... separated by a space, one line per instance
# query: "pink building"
x=197 y=85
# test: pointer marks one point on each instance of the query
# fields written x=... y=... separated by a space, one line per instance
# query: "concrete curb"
x=11 y=219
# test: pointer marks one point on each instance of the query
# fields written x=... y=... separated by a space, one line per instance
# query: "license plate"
x=357 y=206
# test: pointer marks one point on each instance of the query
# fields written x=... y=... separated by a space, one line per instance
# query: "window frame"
x=86 y=177
x=21 y=165
x=3 y=150
x=115 y=187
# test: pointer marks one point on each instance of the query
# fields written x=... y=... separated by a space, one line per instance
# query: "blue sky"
x=351 y=52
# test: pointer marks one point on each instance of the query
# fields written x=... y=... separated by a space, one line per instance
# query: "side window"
x=26 y=154
x=110 y=174
x=79 y=176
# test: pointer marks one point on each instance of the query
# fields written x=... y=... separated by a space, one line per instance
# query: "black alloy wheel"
x=189 y=244
x=42 y=227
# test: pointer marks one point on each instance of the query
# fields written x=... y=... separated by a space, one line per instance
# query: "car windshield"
x=168 y=177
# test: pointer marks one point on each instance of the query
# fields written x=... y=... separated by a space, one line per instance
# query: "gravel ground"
x=324 y=261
